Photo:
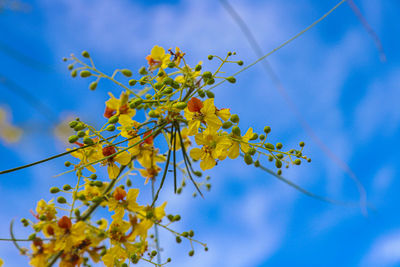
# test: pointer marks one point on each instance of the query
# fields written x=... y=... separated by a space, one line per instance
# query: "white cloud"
x=384 y=252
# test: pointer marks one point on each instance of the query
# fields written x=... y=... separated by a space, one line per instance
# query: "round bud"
x=167 y=90
x=208 y=186
x=257 y=163
x=132 y=82
x=93 y=86
x=227 y=125
x=191 y=233
x=143 y=71
x=77 y=212
x=302 y=144
x=185 y=234
x=143 y=80
x=234 y=118
x=191 y=253
x=267 y=129
x=171 y=65
x=210 y=57
x=79 y=126
x=64 y=59
x=206 y=248
x=198 y=173
x=254 y=137
x=297 y=161
x=210 y=94
x=179 y=190
x=279 y=146
x=197 y=68
x=113 y=120
x=98 y=183
x=170 y=217
x=85 y=73
x=240 y=62
x=67 y=187
x=126 y=72
x=54 y=190
x=269 y=146
x=158 y=85
x=180 y=105
x=153 y=253
x=124 y=265
x=278 y=163
x=67 y=164
x=81 y=134
x=308 y=160
x=168 y=80
x=279 y=172
x=262 y=137
x=270 y=158
x=97 y=200
x=153 y=114
x=169 y=260
x=231 y=79
x=175 y=85
x=201 y=93
x=74 y=73
x=207 y=75
x=32 y=236
x=210 y=81
x=42 y=217
x=24 y=222
x=88 y=141
x=252 y=151
x=229 y=54
x=70 y=66
x=61 y=200
x=279 y=156
x=248 y=159
x=128 y=183
x=73 y=139
x=110 y=128
x=73 y=124
x=85 y=54
x=93 y=176
x=177 y=218
x=178 y=239
x=236 y=130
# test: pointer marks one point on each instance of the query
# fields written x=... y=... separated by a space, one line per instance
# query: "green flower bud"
x=93 y=86
x=175 y=85
x=93 y=176
x=88 y=141
x=32 y=236
x=210 y=57
x=206 y=248
x=240 y=62
x=64 y=59
x=73 y=124
x=153 y=253
x=177 y=218
x=67 y=187
x=191 y=253
x=143 y=71
x=235 y=118
x=67 y=164
x=198 y=173
x=170 y=217
x=180 y=105
x=42 y=217
x=302 y=144
x=252 y=151
x=185 y=234
x=270 y=158
x=297 y=161
x=77 y=213
x=110 y=128
x=278 y=163
x=262 y=137
x=81 y=134
x=179 y=190
x=73 y=139
x=169 y=260
x=70 y=66
x=210 y=94
x=236 y=130
x=113 y=120
x=54 y=190
x=97 y=200
x=227 y=125
x=254 y=137
x=168 y=80
x=248 y=159
x=229 y=54
x=74 y=73
x=153 y=114
x=158 y=85
x=24 y=222
x=61 y=200
x=269 y=146
x=231 y=79
x=211 y=81
x=207 y=75
x=143 y=80
x=178 y=239
x=171 y=65
x=126 y=72
x=197 y=68
x=201 y=93
x=79 y=126
x=85 y=54
x=208 y=187
x=279 y=172
x=85 y=73
x=267 y=129
x=308 y=160
x=167 y=90
x=98 y=183
x=132 y=82
x=257 y=163
x=128 y=183
x=279 y=146
x=191 y=233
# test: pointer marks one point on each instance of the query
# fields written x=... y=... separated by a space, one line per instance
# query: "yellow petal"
x=224 y=114
x=207 y=163
x=234 y=151
x=193 y=127
x=208 y=108
x=196 y=153
x=112 y=170
x=123 y=158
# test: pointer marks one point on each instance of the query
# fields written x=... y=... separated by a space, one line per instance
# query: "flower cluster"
x=162 y=122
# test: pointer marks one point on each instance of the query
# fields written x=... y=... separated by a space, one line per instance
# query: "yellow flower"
x=122 y=158
x=158 y=58
x=198 y=112
x=189 y=76
x=242 y=142
x=69 y=235
x=88 y=155
x=46 y=209
x=118 y=200
x=214 y=147
x=128 y=126
x=148 y=216
x=1 y=262
x=119 y=106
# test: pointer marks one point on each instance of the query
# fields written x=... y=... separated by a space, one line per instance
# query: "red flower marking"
x=65 y=223
x=119 y=194
x=148 y=140
x=109 y=112
x=195 y=104
x=108 y=151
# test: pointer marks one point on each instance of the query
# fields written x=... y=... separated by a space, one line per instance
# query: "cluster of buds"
x=169 y=107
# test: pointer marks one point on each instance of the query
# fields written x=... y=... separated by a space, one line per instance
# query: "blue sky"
x=333 y=74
